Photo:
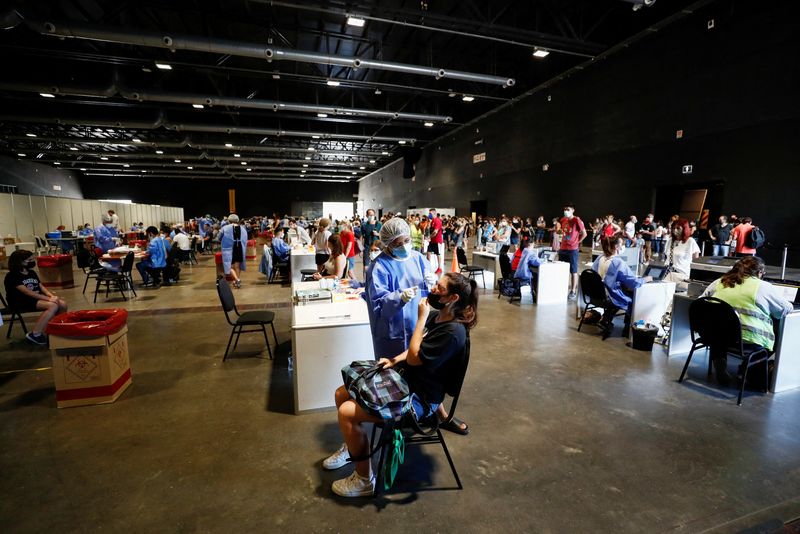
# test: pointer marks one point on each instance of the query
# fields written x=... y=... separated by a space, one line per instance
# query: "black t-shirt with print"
x=442 y=355
x=16 y=299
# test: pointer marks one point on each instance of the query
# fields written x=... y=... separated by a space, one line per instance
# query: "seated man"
x=104 y=235
x=756 y=302
x=279 y=246
x=150 y=269
x=184 y=243
x=27 y=294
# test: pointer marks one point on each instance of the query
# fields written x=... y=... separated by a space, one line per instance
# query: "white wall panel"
x=23 y=217
x=40 y=226
x=7 y=215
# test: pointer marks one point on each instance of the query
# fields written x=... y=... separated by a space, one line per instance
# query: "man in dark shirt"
x=648 y=230
x=720 y=234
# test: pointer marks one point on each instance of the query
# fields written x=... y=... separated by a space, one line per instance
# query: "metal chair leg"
x=449 y=459
x=744 y=380
x=238 y=335
x=86 y=283
x=229 y=344
x=686 y=365
x=272 y=325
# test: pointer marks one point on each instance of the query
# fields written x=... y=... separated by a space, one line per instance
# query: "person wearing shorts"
x=573 y=233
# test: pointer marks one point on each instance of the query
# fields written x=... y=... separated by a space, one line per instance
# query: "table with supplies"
x=330 y=329
x=301 y=258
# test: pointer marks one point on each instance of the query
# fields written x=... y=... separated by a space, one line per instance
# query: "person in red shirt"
x=436 y=245
x=348 y=246
x=574 y=232
x=740 y=234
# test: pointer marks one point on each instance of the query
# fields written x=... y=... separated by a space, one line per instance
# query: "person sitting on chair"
x=756 y=302
x=150 y=269
x=335 y=266
x=279 y=246
x=527 y=261
x=431 y=361
x=27 y=294
x=619 y=281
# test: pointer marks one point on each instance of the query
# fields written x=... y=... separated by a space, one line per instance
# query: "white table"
x=650 y=302
x=490 y=263
x=301 y=258
x=552 y=285
x=326 y=337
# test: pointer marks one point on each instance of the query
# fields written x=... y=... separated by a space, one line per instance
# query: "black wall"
x=34 y=179
x=201 y=196
x=608 y=132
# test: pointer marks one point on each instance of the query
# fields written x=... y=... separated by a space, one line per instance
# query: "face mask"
x=430 y=216
x=436 y=302
x=567 y=213
x=30 y=264
x=402 y=253
x=374 y=254
x=109 y=225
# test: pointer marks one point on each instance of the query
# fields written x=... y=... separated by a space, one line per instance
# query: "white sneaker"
x=337 y=459
x=354 y=486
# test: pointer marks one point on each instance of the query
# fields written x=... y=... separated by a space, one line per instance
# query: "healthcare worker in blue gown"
x=234 y=247
x=395 y=282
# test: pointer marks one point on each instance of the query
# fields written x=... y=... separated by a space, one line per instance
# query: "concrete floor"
x=568 y=434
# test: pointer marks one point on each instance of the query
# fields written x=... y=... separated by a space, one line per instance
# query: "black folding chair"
x=427 y=431
x=471 y=270
x=251 y=318
x=93 y=269
x=507 y=285
x=594 y=294
x=122 y=280
x=13 y=315
x=714 y=323
x=278 y=267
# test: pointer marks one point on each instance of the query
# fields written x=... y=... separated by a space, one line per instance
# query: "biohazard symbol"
x=119 y=354
x=82 y=367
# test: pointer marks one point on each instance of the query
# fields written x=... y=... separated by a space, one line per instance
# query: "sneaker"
x=36 y=339
x=572 y=295
x=354 y=486
x=337 y=459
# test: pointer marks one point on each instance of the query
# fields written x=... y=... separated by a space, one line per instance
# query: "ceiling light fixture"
x=73 y=149
x=47 y=95
x=30 y=135
x=159 y=151
x=56 y=163
x=84 y=170
x=248 y=170
x=332 y=83
x=164 y=66
x=276 y=76
x=378 y=91
x=315 y=137
x=190 y=168
x=355 y=21
x=362 y=168
x=103 y=158
x=237 y=155
x=136 y=140
x=322 y=115
x=308 y=157
x=177 y=161
x=384 y=153
x=229 y=145
x=402 y=141
x=428 y=124
x=198 y=106
x=125 y=165
x=467 y=98
x=372 y=161
x=305 y=164
x=21 y=155
x=311 y=149
x=244 y=163
x=540 y=52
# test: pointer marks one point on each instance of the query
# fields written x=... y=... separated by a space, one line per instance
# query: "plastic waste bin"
x=89 y=349
x=56 y=270
x=644 y=335
x=250 y=253
x=220 y=268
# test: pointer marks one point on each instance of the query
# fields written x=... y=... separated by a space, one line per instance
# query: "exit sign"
x=686 y=169
x=477 y=158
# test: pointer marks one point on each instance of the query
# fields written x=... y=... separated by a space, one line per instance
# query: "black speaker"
x=411 y=156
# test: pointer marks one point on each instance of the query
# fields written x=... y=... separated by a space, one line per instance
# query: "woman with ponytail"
x=433 y=362
x=756 y=301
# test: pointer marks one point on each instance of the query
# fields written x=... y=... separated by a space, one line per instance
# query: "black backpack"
x=756 y=238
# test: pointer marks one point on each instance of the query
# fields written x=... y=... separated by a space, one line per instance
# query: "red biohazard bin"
x=56 y=270
x=220 y=268
x=250 y=253
x=89 y=349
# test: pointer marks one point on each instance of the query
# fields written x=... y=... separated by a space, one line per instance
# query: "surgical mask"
x=436 y=302
x=374 y=254
x=430 y=216
x=109 y=225
x=567 y=213
x=30 y=264
x=371 y=218
x=402 y=253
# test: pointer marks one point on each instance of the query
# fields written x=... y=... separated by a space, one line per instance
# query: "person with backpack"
x=741 y=234
x=434 y=357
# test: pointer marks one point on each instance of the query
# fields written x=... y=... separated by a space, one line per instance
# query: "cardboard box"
x=60 y=276
x=90 y=371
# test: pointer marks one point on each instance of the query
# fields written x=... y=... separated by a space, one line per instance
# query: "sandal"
x=455 y=426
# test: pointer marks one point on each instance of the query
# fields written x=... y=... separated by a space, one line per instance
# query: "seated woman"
x=334 y=267
x=27 y=294
x=756 y=301
x=527 y=260
x=619 y=281
x=432 y=360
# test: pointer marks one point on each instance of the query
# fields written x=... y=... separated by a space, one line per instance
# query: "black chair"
x=122 y=280
x=714 y=323
x=427 y=431
x=251 y=318
x=307 y=275
x=278 y=267
x=93 y=269
x=13 y=315
x=471 y=270
x=594 y=294
x=507 y=285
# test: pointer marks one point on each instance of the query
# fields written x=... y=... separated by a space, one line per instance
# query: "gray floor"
x=568 y=434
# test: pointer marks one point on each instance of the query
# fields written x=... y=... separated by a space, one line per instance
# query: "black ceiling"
x=113 y=112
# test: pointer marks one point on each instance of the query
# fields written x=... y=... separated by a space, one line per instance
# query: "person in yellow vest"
x=756 y=302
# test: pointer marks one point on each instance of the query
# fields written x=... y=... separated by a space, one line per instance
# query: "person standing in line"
x=740 y=234
x=504 y=233
x=416 y=234
x=630 y=231
x=573 y=233
x=541 y=229
x=436 y=246
x=321 y=243
x=348 y=246
x=648 y=232
x=720 y=235
x=555 y=234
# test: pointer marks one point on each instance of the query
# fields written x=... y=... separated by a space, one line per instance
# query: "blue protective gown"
x=280 y=248
x=103 y=238
x=526 y=262
x=391 y=320
x=617 y=276
x=226 y=242
x=157 y=249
